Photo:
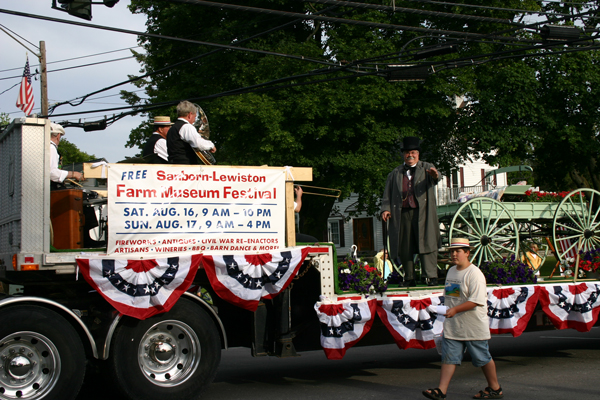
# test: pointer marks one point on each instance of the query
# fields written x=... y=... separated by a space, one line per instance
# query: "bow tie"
x=411 y=169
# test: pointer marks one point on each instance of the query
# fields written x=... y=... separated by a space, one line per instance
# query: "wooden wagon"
x=498 y=229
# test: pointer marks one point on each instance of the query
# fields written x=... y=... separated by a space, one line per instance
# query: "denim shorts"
x=453 y=350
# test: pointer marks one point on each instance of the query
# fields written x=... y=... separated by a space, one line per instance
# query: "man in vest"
x=155 y=150
x=57 y=175
x=183 y=137
x=409 y=204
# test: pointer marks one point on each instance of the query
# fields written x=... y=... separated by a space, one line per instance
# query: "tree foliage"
x=71 y=153
x=330 y=107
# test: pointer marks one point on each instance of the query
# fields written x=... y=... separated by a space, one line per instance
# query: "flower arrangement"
x=359 y=277
x=589 y=261
x=534 y=196
x=507 y=271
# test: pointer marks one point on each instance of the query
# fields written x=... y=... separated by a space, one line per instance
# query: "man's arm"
x=160 y=148
x=188 y=133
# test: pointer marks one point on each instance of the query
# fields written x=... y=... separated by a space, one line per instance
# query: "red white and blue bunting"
x=510 y=308
x=343 y=324
x=571 y=306
x=412 y=322
x=140 y=288
x=244 y=279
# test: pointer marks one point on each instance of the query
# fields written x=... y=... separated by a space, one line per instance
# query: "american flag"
x=25 y=99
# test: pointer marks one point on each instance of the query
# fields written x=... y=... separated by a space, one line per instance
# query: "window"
x=334 y=232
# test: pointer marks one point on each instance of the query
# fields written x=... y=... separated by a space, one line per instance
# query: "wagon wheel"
x=490 y=228
x=576 y=224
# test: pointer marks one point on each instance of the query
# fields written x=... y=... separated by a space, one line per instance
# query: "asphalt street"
x=538 y=365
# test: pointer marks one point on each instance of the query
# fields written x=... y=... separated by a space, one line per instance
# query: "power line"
x=171 y=66
x=74 y=58
x=74 y=67
x=354 y=4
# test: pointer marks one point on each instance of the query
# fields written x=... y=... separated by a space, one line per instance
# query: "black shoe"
x=410 y=283
x=432 y=282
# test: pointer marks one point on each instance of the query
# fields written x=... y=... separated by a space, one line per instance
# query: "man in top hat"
x=409 y=204
x=466 y=326
x=57 y=175
x=155 y=150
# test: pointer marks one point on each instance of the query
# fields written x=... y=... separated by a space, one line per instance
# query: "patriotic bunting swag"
x=511 y=308
x=571 y=306
x=412 y=322
x=140 y=288
x=244 y=279
x=343 y=324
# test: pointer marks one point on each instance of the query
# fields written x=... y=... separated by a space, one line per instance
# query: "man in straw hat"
x=409 y=204
x=466 y=325
x=155 y=150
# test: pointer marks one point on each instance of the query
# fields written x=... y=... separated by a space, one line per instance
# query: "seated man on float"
x=57 y=175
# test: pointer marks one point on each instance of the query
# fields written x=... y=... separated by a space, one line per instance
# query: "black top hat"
x=411 y=143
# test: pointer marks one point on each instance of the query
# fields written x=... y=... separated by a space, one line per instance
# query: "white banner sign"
x=157 y=209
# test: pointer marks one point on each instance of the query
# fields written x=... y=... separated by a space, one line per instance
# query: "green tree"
x=71 y=154
x=348 y=130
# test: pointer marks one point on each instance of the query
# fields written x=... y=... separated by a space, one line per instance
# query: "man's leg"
x=429 y=263
x=406 y=245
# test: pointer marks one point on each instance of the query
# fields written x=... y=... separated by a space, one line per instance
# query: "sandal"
x=489 y=393
x=434 y=394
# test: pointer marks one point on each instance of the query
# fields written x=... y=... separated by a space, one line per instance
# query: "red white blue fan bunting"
x=510 y=308
x=412 y=322
x=571 y=306
x=343 y=324
x=140 y=288
x=244 y=279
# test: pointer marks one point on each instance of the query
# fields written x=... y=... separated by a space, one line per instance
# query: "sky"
x=63 y=42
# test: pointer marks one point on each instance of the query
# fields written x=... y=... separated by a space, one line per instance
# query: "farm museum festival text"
x=170 y=192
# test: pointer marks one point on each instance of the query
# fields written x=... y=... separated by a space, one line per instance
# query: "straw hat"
x=458 y=243
x=162 y=121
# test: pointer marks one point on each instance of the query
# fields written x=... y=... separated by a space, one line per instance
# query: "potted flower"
x=507 y=271
x=360 y=277
x=589 y=262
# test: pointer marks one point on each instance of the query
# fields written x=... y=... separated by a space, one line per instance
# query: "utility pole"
x=43 y=78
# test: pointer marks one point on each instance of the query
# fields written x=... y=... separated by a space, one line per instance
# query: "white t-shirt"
x=462 y=286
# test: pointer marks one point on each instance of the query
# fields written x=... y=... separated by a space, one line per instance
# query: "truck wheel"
x=170 y=355
x=41 y=355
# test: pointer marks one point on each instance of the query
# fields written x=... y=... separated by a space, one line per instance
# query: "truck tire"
x=41 y=355
x=171 y=355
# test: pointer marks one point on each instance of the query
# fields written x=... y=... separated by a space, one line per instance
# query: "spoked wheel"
x=576 y=224
x=172 y=355
x=41 y=355
x=490 y=228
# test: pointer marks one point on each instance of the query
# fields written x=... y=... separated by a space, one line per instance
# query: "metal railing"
x=451 y=194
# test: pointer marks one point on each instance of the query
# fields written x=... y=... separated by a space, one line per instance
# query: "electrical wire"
x=354 y=4
x=71 y=59
x=74 y=67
